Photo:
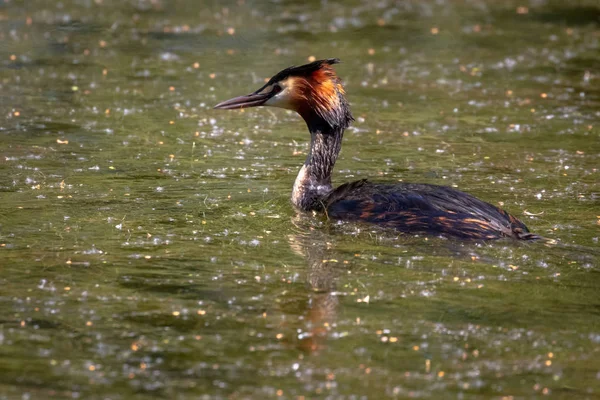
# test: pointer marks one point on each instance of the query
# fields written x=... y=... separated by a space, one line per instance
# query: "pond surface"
x=148 y=247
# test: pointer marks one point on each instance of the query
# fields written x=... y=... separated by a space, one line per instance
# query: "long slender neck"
x=313 y=182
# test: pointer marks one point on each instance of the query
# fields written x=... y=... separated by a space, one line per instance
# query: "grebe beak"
x=251 y=100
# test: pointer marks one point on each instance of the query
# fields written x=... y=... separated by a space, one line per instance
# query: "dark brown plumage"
x=316 y=93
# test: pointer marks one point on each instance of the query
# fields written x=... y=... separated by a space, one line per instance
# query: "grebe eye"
x=276 y=89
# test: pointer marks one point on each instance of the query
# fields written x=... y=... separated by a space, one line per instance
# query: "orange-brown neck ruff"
x=320 y=100
x=316 y=93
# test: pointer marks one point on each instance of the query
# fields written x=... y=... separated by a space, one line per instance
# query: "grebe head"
x=313 y=90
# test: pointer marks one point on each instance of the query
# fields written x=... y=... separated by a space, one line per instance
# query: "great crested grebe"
x=316 y=93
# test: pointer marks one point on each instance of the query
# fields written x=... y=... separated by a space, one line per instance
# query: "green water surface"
x=148 y=248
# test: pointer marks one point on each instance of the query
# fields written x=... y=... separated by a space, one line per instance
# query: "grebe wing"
x=422 y=208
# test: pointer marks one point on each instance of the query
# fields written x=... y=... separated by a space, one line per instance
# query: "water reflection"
x=321 y=277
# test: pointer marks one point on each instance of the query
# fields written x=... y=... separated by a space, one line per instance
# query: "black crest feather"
x=302 y=70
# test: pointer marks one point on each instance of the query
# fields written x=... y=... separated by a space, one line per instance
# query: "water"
x=147 y=242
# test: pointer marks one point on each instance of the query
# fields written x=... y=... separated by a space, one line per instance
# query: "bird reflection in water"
x=321 y=279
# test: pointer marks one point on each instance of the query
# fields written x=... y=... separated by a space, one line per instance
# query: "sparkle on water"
x=147 y=242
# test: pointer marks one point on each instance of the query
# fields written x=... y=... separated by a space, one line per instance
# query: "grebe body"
x=316 y=93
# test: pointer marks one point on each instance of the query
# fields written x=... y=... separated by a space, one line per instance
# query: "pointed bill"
x=251 y=100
